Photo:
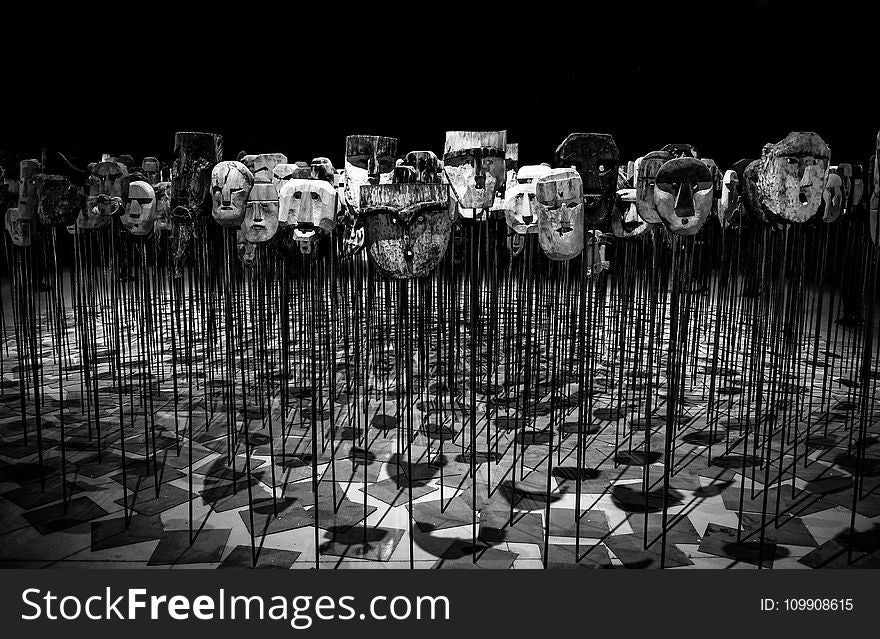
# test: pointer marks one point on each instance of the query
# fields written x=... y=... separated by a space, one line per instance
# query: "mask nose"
x=373 y=169
x=258 y=213
x=684 y=201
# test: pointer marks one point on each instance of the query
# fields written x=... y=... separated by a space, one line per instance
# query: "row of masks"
x=401 y=209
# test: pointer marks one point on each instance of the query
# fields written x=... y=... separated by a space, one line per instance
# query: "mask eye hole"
x=298 y=195
x=216 y=189
x=601 y=168
x=315 y=197
x=420 y=219
x=571 y=205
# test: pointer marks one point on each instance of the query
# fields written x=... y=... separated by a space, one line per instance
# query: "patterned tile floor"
x=392 y=492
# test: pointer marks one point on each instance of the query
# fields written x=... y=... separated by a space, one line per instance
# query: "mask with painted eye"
x=369 y=159
x=309 y=208
x=196 y=154
x=520 y=209
x=18 y=227
x=473 y=161
x=140 y=211
x=559 y=202
x=683 y=195
x=406 y=227
x=59 y=201
x=231 y=184
x=261 y=214
x=625 y=219
x=832 y=198
x=791 y=177
x=595 y=157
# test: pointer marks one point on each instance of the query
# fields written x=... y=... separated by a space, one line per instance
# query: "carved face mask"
x=231 y=184
x=520 y=210
x=729 y=201
x=406 y=227
x=474 y=163
x=683 y=195
x=369 y=159
x=247 y=252
x=162 y=191
x=57 y=204
x=322 y=168
x=261 y=214
x=152 y=170
x=108 y=183
x=195 y=156
x=559 y=201
x=595 y=157
x=845 y=171
x=646 y=177
x=791 y=177
x=832 y=198
x=426 y=164
x=262 y=165
x=28 y=198
x=309 y=207
x=625 y=219
x=140 y=211
x=18 y=227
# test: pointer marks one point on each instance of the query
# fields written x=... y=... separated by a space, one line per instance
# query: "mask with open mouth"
x=309 y=208
x=60 y=202
x=231 y=184
x=595 y=157
x=18 y=227
x=369 y=159
x=559 y=202
x=261 y=213
x=195 y=155
x=790 y=177
x=406 y=227
x=140 y=211
x=683 y=195
x=474 y=163
x=832 y=198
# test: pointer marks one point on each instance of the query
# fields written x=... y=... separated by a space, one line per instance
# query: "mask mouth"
x=258 y=226
x=564 y=230
x=802 y=197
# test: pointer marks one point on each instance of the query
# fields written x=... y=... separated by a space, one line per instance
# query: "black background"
x=298 y=77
